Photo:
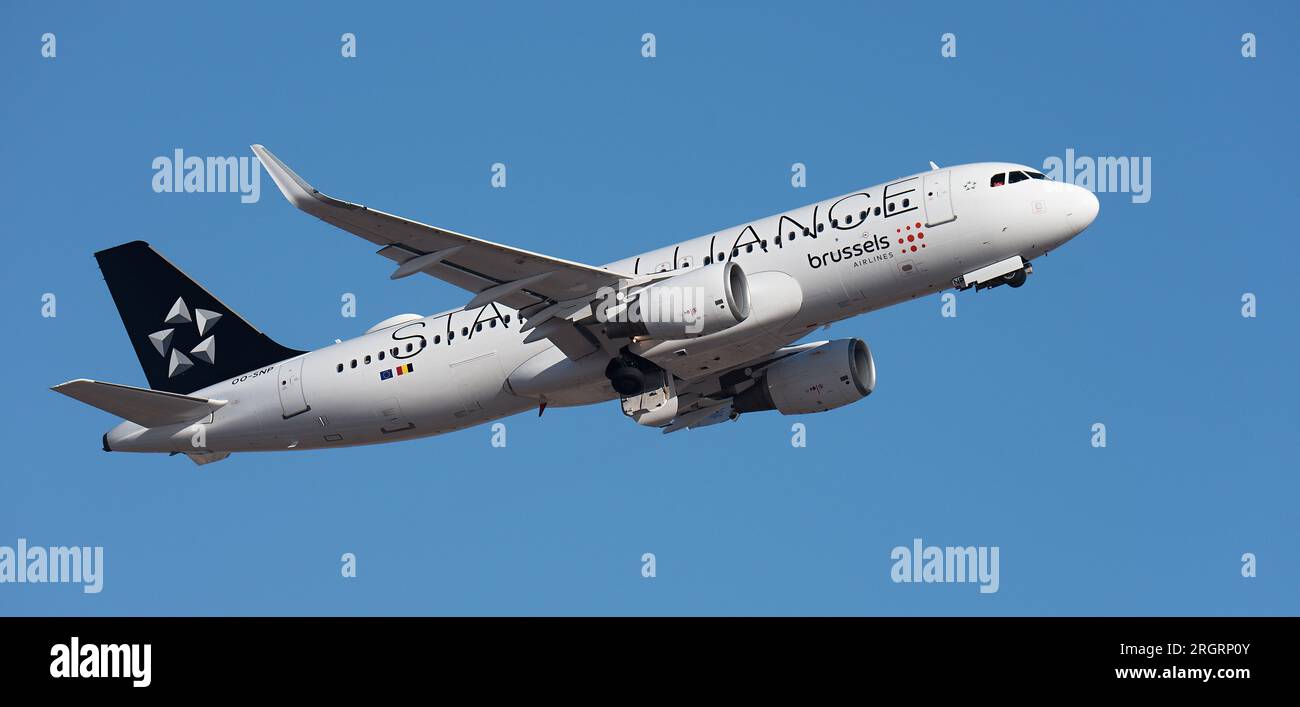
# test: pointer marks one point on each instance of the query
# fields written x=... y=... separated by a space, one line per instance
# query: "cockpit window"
x=1035 y=175
x=1018 y=177
x=998 y=179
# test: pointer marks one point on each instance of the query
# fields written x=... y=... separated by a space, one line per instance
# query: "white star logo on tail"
x=205 y=351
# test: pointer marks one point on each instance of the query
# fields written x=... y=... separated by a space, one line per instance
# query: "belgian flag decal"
x=400 y=370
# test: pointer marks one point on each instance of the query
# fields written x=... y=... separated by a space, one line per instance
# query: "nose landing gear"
x=1011 y=271
x=1013 y=278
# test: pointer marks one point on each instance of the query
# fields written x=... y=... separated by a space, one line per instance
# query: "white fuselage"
x=472 y=366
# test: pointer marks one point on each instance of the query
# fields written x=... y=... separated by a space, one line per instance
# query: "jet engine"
x=831 y=375
x=702 y=301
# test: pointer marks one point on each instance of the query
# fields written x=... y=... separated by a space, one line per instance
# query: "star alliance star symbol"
x=205 y=351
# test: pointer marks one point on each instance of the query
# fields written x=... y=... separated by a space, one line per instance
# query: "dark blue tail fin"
x=185 y=338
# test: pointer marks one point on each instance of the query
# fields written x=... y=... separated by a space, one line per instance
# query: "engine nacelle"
x=703 y=301
x=831 y=375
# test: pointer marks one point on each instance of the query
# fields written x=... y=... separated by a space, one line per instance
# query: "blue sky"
x=978 y=433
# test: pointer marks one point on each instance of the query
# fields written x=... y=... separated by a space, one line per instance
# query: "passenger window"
x=409 y=347
x=877 y=210
x=998 y=180
x=437 y=338
x=708 y=260
x=862 y=216
x=354 y=363
x=821 y=227
x=340 y=368
x=367 y=359
x=1018 y=177
x=507 y=319
x=464 y=331
x=478 y=327
x=381 y=355
x=492 y=324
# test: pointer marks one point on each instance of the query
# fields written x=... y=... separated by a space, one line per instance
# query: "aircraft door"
x=938 y=199
x=292 y=400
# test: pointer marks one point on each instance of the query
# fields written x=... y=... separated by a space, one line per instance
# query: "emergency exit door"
x=938 y=198
x=292 y=400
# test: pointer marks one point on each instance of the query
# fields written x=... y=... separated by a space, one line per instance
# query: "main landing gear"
x=625 y=376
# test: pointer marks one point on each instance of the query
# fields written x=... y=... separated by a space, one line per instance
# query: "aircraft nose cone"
x=1083 y=209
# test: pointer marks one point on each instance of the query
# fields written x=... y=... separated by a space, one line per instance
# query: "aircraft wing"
x=495 y=273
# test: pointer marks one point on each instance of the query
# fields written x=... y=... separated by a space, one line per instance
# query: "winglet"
x=295 y=188
x=933 y=165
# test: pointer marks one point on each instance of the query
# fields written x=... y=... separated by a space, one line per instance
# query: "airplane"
x=689 y=335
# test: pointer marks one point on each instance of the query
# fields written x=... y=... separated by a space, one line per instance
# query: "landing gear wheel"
x=1015 y=279
x=627 y=381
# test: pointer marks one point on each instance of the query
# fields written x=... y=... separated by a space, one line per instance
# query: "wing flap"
x=703 y=417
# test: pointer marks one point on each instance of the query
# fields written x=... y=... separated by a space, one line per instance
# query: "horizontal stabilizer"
x=148 y=408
